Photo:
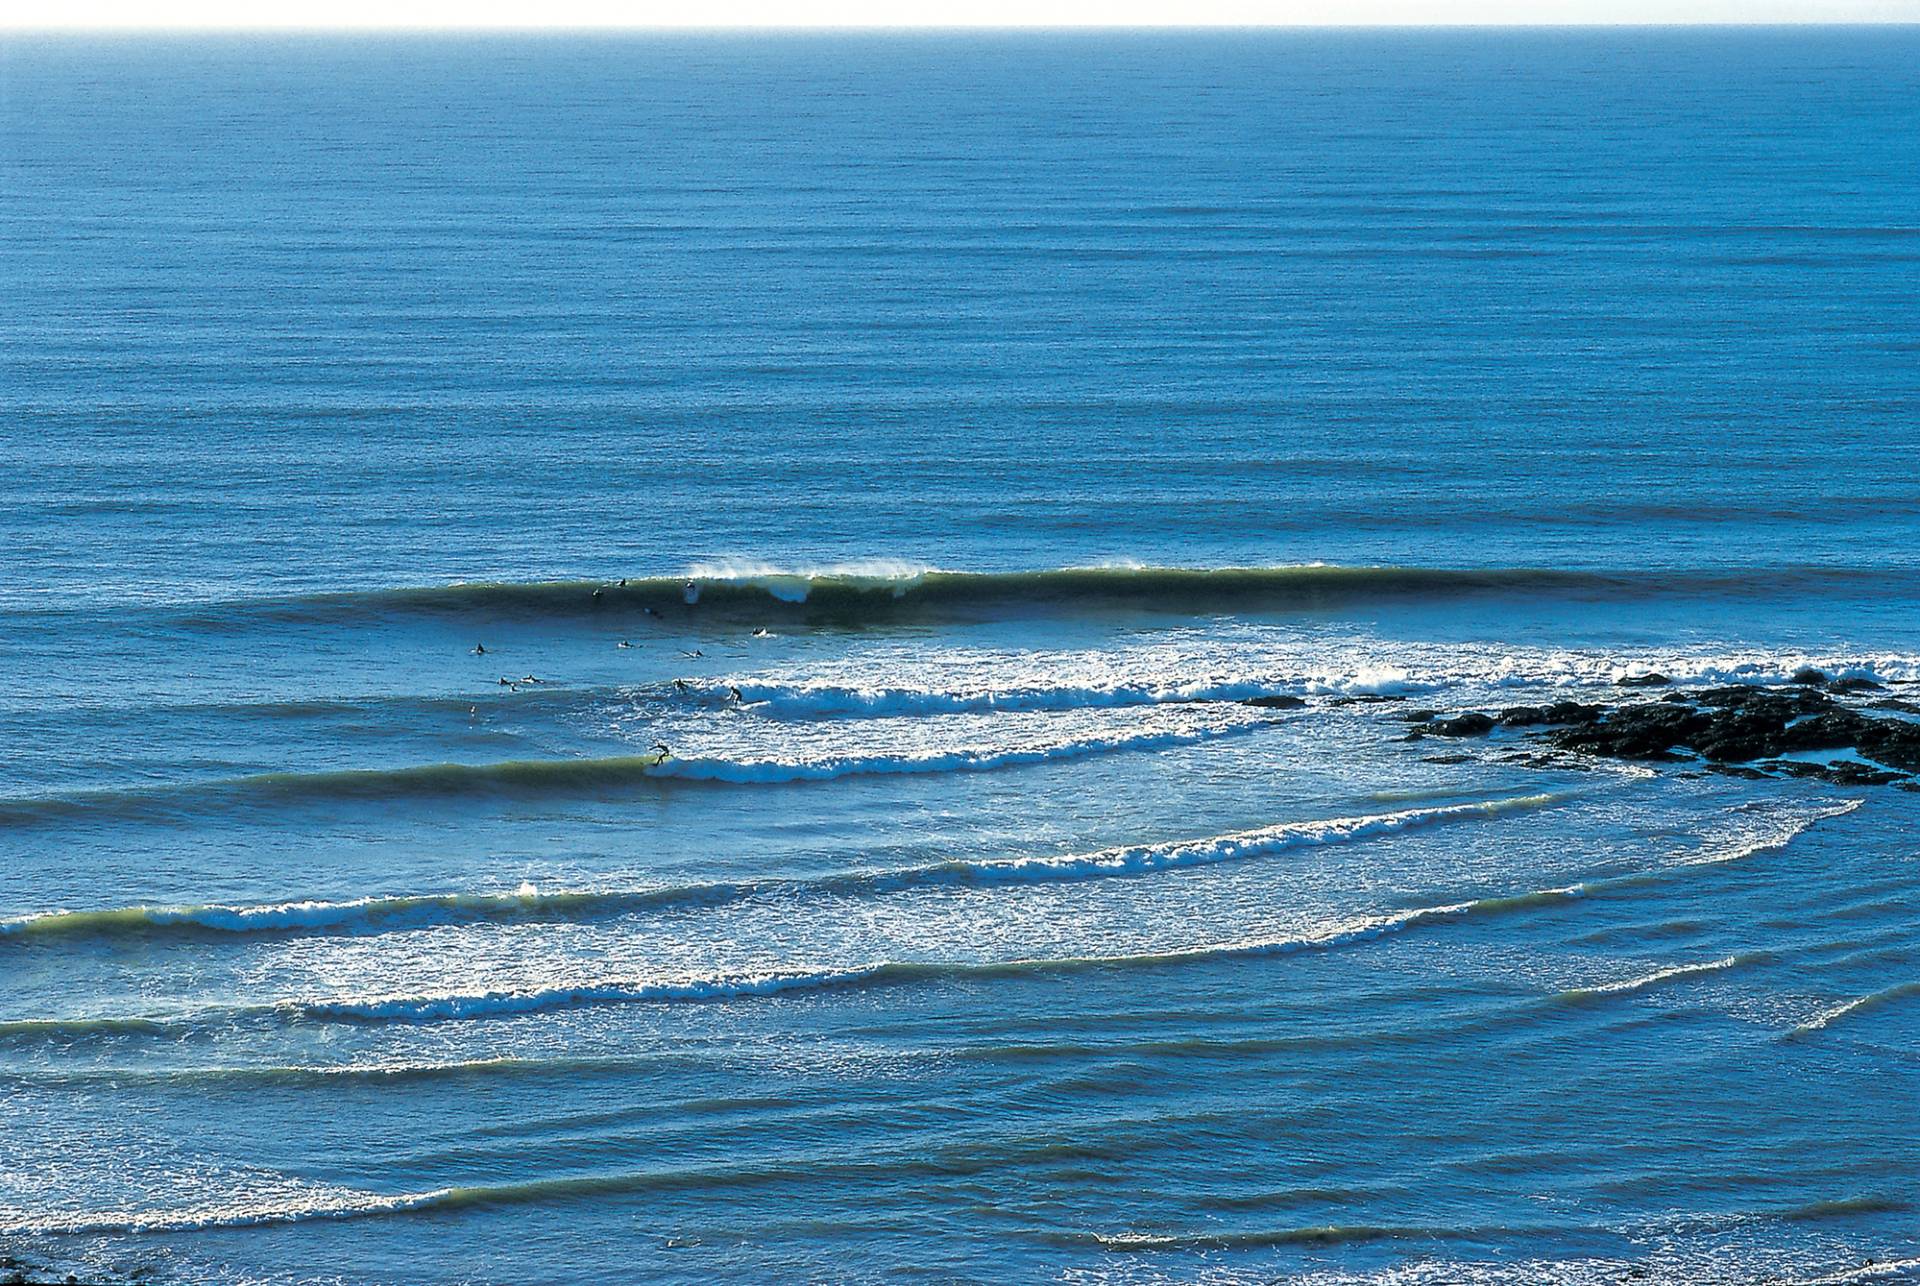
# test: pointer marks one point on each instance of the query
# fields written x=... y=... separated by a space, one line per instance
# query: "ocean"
x=790 y=658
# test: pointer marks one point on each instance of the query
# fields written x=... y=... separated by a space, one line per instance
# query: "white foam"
x=824 y=699
x=1885 y=996
x=367 y=912
x=1658 y=976
x=794 y=584
x=929 y=760
x=506 y=1003
x=298 y=1206
x=1141 y=859
x=1767 y=835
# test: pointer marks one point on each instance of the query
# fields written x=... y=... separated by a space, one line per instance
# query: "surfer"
x=735 y=694
x=661 y=753
x=694 y=652
x=479 y=649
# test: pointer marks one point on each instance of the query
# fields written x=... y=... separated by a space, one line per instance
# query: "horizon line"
x=804 y=28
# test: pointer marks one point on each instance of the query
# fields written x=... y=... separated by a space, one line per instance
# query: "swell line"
x=536 y=776
x=884 y=591
x=369 y=914
x=405 y=1009
x=379 y=914
x=768 y=983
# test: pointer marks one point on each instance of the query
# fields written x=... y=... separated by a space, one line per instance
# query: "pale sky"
x=923 y=13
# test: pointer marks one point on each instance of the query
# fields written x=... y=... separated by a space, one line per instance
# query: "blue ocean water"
x=628 y=657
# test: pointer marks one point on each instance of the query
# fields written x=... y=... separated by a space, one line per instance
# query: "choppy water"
x=889 y=880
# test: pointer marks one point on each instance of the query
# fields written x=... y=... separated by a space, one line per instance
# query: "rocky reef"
x=1856 y=733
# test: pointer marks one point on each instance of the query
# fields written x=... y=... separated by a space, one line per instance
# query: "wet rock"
x=1470 y=724
x=1738 y=696
x=1740 y=734
x=1446 y=759
x=1807 y=676
x=1891 y=741
x=1276 y=702
x=1417 y=716
x=1635 y=732
x=1732 y=727
x=1558 y=712
x=1366 y=699
x=1833 y=730
x=1895 y=703
x=1854 y=685
x=1794 y=768
x=1851 y=772
x=1643 y=680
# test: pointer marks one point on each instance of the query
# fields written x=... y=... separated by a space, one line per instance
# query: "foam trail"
x=728 y=987
x=743 y=771
x=1749 y=844
x=323 y=1205
x=1864 y=1004
x=415 y=1009
x=505 y=1003
x=320 y=917
x=813 y=700
x=381 y=914
x=333 y=1073
x=1880 y=1271
x=1659 y=976
x=304 y=1206
x=1145 y=858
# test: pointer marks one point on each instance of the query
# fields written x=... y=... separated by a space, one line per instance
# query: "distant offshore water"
x=880 y=471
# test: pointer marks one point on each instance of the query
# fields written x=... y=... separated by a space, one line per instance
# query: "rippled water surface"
x=788 y=658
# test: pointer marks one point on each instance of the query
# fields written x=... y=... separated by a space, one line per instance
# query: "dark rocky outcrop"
x=1648 y=731
x=1558 y=712
x=1643 y=681
x=1470 y=724
x=1739 y=730
x=1276 y=702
